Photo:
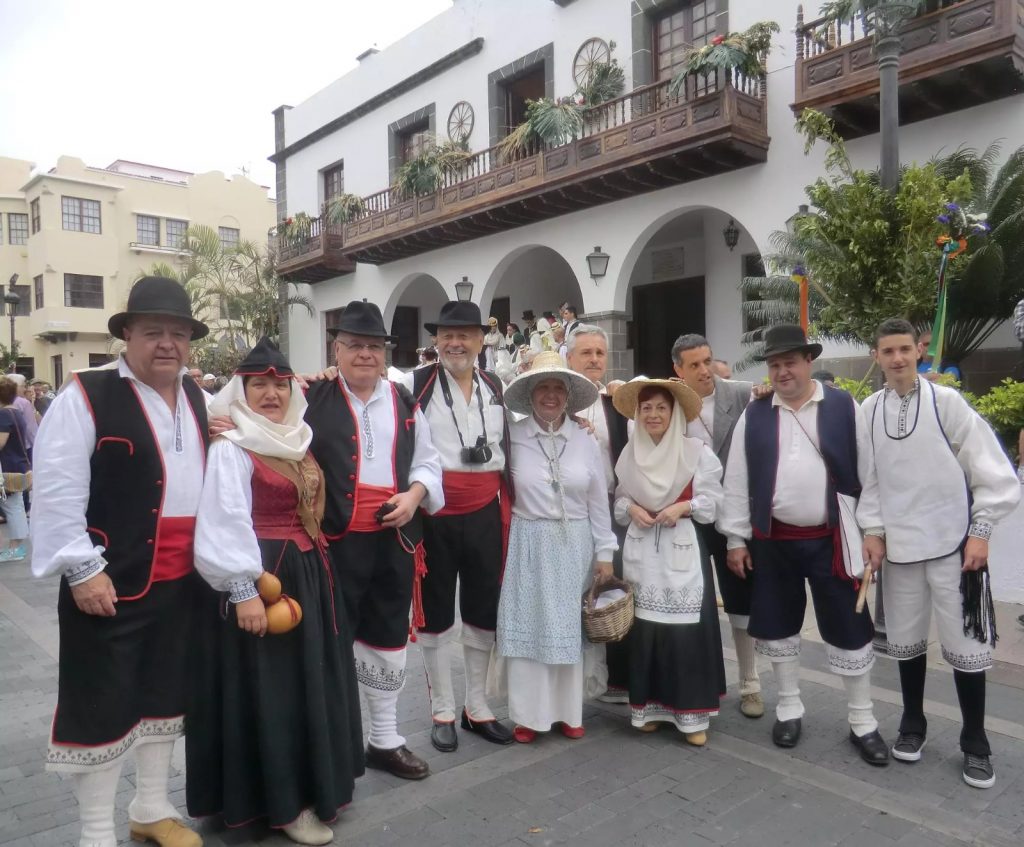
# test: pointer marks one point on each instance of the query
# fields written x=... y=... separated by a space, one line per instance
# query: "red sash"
x=173 y=557
x=787 y=532
x=466 y=492
x=369 y=498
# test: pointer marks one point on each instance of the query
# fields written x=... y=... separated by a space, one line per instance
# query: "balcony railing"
x=314 y=255
x=645 y=140
x=956 y=54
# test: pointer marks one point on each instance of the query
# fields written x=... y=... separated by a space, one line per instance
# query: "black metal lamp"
x=732 y=235
x=597 y=263
x=464 y=290
x=12 y=300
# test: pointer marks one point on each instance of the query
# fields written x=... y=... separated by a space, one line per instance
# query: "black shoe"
x=787 y=733
x=978 y=771
x=444 y=737
x=908 y=747
x=873 y=748
x=492 y=730
x=400 y=761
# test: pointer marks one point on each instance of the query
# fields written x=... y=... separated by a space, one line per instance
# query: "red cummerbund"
x=468 y=492
x=369 y=498
x=173 y=557
x=788 y=532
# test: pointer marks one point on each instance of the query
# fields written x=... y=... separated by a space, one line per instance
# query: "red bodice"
x=275 y=503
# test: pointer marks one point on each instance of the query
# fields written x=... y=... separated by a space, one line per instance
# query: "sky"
x=187 y=84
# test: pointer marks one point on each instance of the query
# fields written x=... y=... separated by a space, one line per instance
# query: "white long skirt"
x=540 y=695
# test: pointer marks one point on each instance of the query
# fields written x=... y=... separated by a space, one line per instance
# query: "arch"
x=533 y=276
x=416 y=299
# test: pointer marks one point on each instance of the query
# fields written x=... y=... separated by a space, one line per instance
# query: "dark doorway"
x=528 y=86
x=332 y=319
x=58 y=371
x=405 y=327
x=662 y=312
x=502 y=310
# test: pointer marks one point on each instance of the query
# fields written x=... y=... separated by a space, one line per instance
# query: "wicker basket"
x=612 y=622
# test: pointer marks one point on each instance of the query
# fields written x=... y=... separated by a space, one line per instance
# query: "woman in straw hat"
x=560 y=536
x=274 y=730
x=666 y=481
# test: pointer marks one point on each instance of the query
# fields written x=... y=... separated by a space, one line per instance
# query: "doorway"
x=405 y=327
x=528 y=86
x=501 y=308
x=662 y=312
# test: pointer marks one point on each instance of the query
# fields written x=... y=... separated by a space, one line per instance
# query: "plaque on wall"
x=667 y=264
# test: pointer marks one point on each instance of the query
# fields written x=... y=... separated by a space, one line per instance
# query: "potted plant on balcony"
x=424 y=174
x=549 y=123
x=343 y=208
x=744 y=52
x=295 y=229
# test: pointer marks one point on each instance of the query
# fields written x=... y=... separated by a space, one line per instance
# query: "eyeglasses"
x=375 y=348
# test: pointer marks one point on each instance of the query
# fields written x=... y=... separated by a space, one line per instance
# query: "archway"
x=532 y=277
x=416 y=299
x=681 y=276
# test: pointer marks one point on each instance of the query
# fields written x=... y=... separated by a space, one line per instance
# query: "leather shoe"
x=444 y=737
x=787 y=733
x=873 y=748
x=492 y=730
x=400 y=761
x=169 y=832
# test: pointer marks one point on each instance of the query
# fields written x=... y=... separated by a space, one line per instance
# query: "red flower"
x=718 y=39
x=288 y=221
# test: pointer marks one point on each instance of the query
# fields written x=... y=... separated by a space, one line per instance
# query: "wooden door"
x=405 y=327
x=501 y=309
x=662 y=312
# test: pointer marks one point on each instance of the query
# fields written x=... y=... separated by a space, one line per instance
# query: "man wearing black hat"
x=793 y=454
x=463 y=406
x=373 y=445
x=118 y=474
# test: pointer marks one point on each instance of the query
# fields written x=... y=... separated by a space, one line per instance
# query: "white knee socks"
x=750 y=682
x=861 y=709
x=787 y=678
x=152 y=771
x=95 y=791
x=438 y=666
x=383 y=708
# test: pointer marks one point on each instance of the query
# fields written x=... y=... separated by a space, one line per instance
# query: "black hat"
x=457 y=313
x=528 y=315
x=787 y=338
x=265 y=358
x=157 y=295
x=362 y=318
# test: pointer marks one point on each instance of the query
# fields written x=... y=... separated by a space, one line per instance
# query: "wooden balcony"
x=315 y=256
x=958 y=54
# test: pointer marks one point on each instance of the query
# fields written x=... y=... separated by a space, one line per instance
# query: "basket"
x=612 y=622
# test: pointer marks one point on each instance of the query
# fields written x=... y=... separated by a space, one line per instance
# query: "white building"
x=655 y=181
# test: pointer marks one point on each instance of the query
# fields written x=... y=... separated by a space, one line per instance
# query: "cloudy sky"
x=188 y=84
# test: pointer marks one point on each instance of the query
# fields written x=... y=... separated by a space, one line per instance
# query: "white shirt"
x=375 y=425
x=583 y=484
x=63 y=450
x=802 y=481
x=443 y=433
x=703 y=426
x=595 y=414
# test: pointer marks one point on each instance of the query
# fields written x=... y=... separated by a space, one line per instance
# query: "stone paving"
x=613 y=787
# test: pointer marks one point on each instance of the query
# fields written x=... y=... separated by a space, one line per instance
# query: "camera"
x=478 y=454
x=384 y=510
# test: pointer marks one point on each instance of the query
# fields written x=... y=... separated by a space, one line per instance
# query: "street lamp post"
x=12 y=300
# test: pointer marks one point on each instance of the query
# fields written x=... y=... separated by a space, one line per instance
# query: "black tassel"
x=978 y=608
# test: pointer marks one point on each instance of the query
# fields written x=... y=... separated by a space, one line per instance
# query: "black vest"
x=335 y=447
x=837 y=436
x=126 y=482
x=618 y=433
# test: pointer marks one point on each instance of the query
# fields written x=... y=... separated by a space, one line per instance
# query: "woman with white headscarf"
x=560 y=539
x=274 y=729
x=666 y=481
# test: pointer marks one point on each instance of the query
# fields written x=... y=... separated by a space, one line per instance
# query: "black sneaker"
x=978 y=771
x=908 y=747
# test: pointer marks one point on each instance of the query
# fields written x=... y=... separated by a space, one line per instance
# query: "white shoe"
x=307 y=828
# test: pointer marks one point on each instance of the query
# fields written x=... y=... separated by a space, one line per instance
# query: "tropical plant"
x=1003 y=407
x=296 y=229
x=426 y=173
x=605 y=82
x=549 y=123
x=878 y=15
x=745 y=52
x=343 y=208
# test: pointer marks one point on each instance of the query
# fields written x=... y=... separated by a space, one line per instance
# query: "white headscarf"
x=654 y=475
x=287 y=440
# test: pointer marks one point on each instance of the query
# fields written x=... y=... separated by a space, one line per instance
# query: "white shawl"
x=287 y=440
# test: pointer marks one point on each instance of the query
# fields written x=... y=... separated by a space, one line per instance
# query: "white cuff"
x=77 y=574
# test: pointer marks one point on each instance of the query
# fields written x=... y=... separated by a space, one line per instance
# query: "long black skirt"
x=273 y=725
x=676 y=671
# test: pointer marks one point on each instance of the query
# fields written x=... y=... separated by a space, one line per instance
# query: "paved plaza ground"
x=614 y=787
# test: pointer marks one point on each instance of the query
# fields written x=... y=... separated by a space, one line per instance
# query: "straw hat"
x=625 y=398
x=582 y=392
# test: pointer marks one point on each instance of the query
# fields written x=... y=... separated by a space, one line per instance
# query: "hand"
x=613 y=386
x=760 y=391
x=221 y=424
x=583 y=423
x=874 y=551
x=975 y=554
x=640 y=516
x=252 y=616
x=328 y=374
x=670 y=514
x=96 y=596
x=603 y=571
x=739 y=561
x=406 y=505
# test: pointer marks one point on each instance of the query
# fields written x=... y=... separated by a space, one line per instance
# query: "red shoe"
x=524 y=735
x=573 y=732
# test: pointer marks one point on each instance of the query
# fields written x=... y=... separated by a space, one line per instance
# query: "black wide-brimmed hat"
x=265 y=358
x=160 y=296
x=528 y=315
x=457 y=313
x=362 y=318
x=787 y=338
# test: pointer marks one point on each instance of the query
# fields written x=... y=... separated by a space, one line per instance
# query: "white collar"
x=378 y=391
x=816 y=397
x=536 y=429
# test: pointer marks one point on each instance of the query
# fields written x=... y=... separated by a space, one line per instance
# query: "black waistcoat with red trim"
x=335 y=447
x=126 y=484
x=618 y=432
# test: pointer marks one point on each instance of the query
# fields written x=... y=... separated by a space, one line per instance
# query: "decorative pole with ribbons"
x=799 y=276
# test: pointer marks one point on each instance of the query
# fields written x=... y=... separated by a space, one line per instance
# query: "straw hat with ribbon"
x=582 y=392
x=626 y=396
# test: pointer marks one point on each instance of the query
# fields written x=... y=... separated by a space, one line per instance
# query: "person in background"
x=558 y=334
x=27 y=412
x=492 y=342
x=721 y=369
x=210 y=383
x=15 y=463
x=924 y=361
x=560 y=539
x=196 y=375
x=825 y=378
x=570 y=318
x=44 y=396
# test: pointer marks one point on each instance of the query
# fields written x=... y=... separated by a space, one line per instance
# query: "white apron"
x=663 y=566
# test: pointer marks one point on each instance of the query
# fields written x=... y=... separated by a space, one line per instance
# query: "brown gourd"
x=283 y=616
x=269 y=587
